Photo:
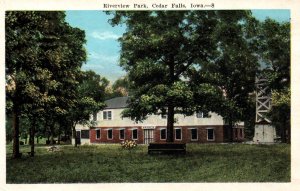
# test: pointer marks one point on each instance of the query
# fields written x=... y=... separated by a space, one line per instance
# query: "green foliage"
x=43 y=59
x=107 y=164
x=90 y=94
x=234 y=68
x=275 y=52
x=281 y=98
x=158 y=49
x=120 y=88
x=122 y=85
x=280 y=113
x=189 y=61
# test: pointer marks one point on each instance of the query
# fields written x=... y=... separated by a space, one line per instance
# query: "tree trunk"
x=59 y=136
x=16 y=120
x=230 y=126
x=74 y=135
x=52 y=134
x=283 y=129
x=31 y=137
x=283 y=134
x=37 y=140
x=170 y=124
x=170 y=118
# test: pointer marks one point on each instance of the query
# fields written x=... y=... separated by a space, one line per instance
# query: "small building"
x=110 y=127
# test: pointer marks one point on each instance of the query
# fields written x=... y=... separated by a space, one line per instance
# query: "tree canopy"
x=176 y=62
x=274 y=52
x=43 y=59
x=231 y=74
x=90 y=94
x=164 y=53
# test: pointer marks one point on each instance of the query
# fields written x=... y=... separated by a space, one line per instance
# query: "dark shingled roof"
x=118 y=102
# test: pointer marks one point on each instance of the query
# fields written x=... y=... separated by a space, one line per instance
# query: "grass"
x=110 y=163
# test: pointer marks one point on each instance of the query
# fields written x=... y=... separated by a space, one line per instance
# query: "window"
x=109 y=134
x=206 y=115
x=85 y=134
x=163 y=116
x=178 y=134
x=134 y=134
x=202 y=115
x=210 y=134
x=98 y=133
x=122 y=134
x=163 y=134
x=95 y=116
x=199 y=114
x=194 y=134
x=107 y=115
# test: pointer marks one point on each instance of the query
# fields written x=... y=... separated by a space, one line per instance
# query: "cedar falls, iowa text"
x=158 y=6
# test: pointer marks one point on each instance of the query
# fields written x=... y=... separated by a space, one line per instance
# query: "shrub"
x=128 y=144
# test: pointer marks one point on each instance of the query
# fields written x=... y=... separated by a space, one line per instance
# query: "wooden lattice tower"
x=263 y=100
x=264 y=131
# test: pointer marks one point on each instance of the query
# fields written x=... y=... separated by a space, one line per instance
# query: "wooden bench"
x=167 y=148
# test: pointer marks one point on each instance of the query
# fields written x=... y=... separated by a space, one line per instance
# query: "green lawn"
x=109 y=163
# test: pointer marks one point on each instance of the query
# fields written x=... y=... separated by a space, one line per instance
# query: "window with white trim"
x=107 y=115
x=202 y=115
x=194 y=134
x=122 y=134
x=109 y=134
x=163 y=134
x=134 y=134
x=210 y=134
x=98 y=133
x=178 y=134
x=199 y=114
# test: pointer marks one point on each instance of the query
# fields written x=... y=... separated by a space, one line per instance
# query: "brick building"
x=110 y=127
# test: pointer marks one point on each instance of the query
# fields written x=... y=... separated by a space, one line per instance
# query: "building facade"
x=110 y=127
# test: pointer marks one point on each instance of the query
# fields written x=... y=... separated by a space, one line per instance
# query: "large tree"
x=280 y=113
x=22 y=60
x=232 y=72
x=181 y=62
x=274 y=51
x=158 y=50
x=43 y=56
x=121 y=87
x=90 y=94
x=64 y=55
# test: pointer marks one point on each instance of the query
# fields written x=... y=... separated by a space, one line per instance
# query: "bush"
x=128 y=144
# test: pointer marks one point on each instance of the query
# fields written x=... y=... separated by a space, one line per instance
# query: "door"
x=78 y=134
x=148 y=136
